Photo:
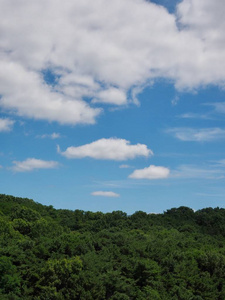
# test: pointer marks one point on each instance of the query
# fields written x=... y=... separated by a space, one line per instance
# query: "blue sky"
x=113 y=106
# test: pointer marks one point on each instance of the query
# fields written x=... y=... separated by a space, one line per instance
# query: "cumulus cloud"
x=111 y=96
x=198 y=135
x=24 y=92
x=151 y=172
x=104 y=51
x=111 y=149
x=6 y=124
x=31 y=164
x=105 y=194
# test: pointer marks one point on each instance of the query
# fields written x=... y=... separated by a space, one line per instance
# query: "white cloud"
x=103 y=50
x=111 y=149
x=111 y=96
x=31 y=164
x=6 y=124
x=205 y=20
x=24 y=92
x=52 y=136
x=105 y=194
x=198 y=135
x=151 y=172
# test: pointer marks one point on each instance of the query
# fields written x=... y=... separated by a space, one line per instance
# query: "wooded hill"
x=62 y=254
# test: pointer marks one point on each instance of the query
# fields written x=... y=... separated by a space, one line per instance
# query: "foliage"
x=61 y=254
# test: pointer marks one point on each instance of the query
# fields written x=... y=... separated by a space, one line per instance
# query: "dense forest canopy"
x=63 y=254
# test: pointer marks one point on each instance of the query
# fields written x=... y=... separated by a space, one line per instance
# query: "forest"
x=49 y=253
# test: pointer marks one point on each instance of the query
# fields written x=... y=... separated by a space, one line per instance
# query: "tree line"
x=56 y=254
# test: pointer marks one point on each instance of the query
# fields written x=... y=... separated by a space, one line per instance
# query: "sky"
x=113 y=105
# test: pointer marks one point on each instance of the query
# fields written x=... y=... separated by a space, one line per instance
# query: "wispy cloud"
x=109 y=149
x=219 y=107
x=125 y=166
x=6 y=125
x=209 y=195
x=196 y=116
x=151 y=172
x=105 y=194
x=197 y=135
x=175 y=100
x=52 y=136
x=221 y=162
x=31 y=164
x=208 y=171
x=198 y=172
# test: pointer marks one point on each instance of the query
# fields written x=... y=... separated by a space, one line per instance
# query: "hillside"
x=63 y=254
